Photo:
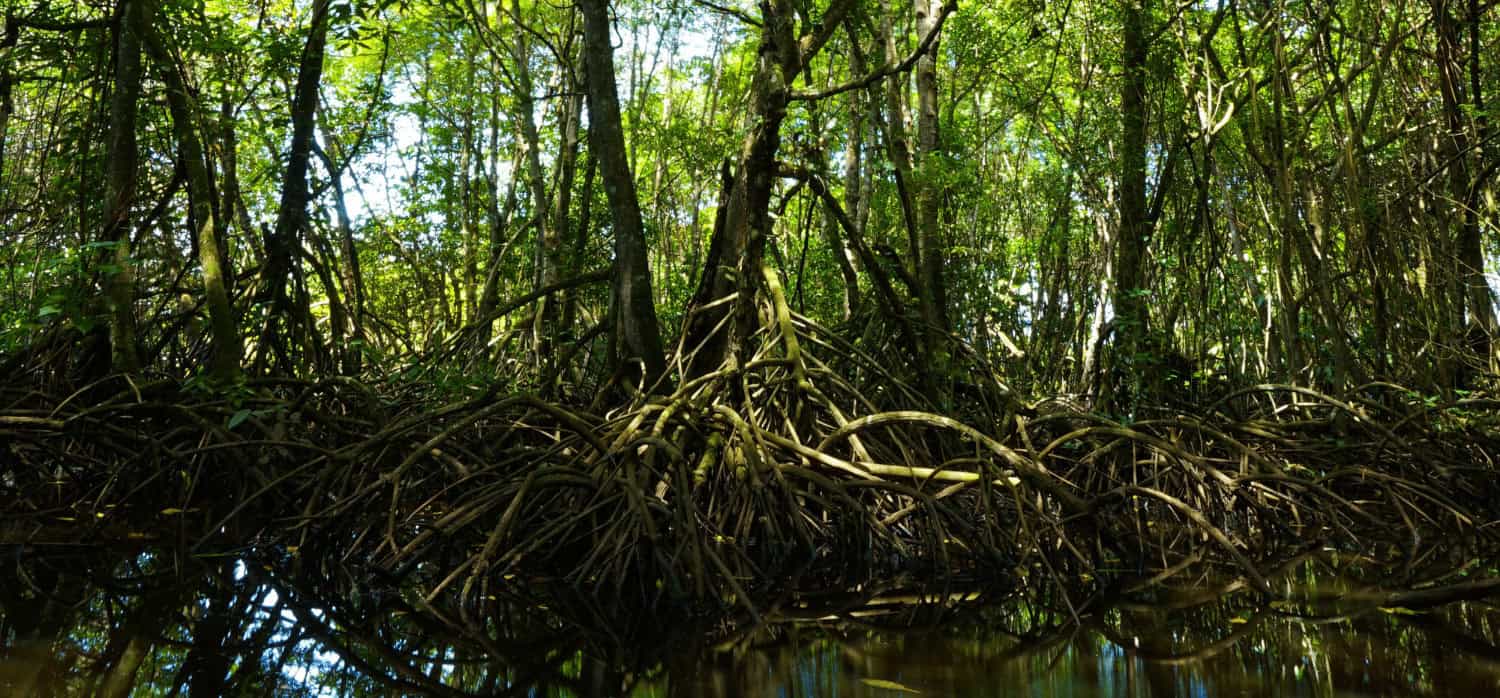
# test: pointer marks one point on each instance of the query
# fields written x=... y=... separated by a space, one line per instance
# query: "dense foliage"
x=1236 y=191
x=692 y=304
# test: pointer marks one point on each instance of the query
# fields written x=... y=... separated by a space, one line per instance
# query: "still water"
x=1264 y=656
x=234 y=634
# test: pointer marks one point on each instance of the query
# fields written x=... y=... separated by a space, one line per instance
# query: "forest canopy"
x=1232 y=192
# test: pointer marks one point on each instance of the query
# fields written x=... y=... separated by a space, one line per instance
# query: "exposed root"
x=804 y=463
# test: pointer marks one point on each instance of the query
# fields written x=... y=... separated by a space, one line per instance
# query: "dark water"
x=1267 y=655
x=150 y=634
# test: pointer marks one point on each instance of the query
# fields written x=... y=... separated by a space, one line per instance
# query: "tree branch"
x=887 y=70
x=724 y=10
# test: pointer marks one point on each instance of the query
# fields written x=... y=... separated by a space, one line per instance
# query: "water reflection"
x=1219 y=650
x=146 y=625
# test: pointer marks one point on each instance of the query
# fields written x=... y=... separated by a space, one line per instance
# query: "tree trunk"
x=224 y=361
x=1455 y=146
x=854 y=200
x=636 y=337
x=10 y=35
x=898 y=146
x=547 y=241
x=733 y=267
x=131 y=643
x=468 y=231
x=1130 y=323
x=932 y=251
x=349 y=272
x=135 y=18
x=283 y=246
x=1482 y=324
x=232 y=205
x=567 y=171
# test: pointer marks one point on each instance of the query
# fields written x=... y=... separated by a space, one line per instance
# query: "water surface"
x=149 y=632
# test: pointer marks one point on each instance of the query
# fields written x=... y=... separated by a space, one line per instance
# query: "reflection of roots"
x=805 y=461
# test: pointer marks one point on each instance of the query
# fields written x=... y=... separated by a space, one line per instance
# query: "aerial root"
x=777 y=466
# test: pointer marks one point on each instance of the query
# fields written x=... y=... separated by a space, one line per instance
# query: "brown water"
x=235 y=634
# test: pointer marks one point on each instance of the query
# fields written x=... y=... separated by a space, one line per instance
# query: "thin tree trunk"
x=232 y=205
x=1129 y=288
x=636 y=337
x=1479 y=302
x=567 y=172
x=898 y=146
x=468 y=231
x=1455 y=144
x=10 y=35
x=121 y=182
x=500 y=214
x=548 y=244
x=581 y=238
x=283 y=245
x=853 y=177
x=349 y=271
x=224 y=361
x=931 y=247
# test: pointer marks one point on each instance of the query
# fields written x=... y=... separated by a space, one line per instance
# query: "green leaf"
x=238 y=418
x=889 y=686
